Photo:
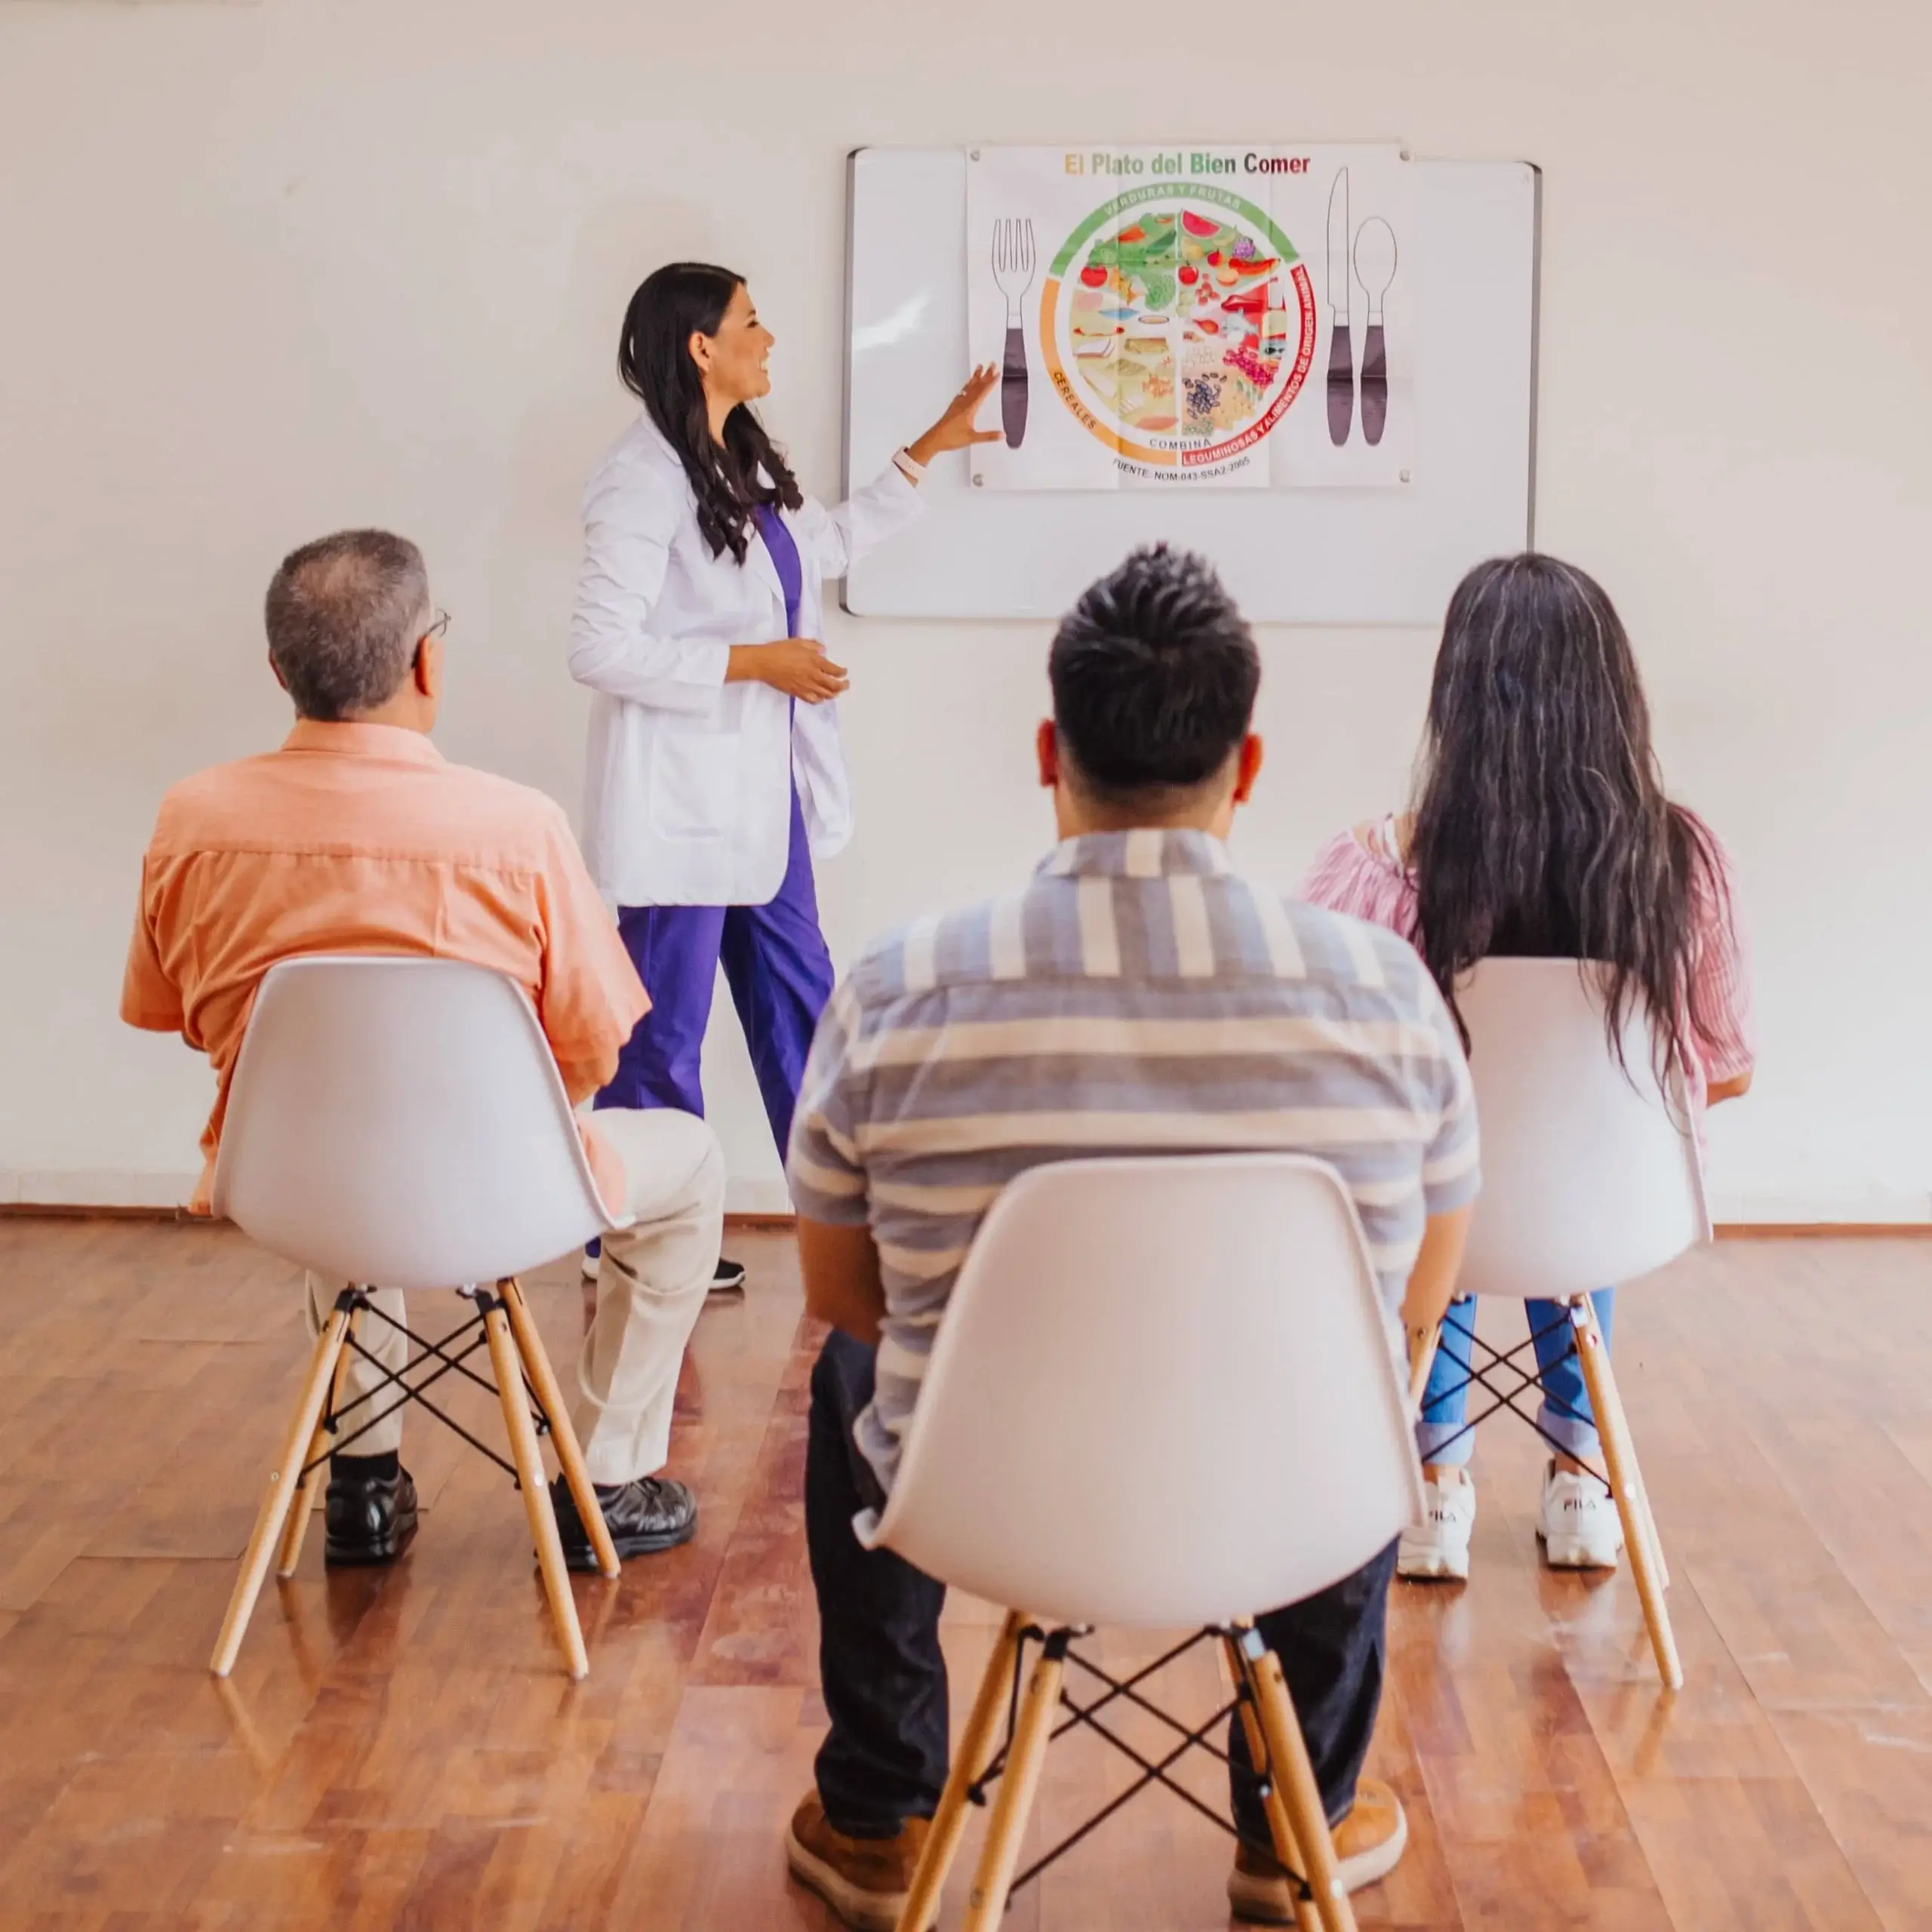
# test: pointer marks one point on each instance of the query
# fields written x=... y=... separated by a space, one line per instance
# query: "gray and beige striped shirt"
x=1135 y=997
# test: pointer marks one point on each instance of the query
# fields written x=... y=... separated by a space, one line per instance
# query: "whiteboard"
x=1290 y=556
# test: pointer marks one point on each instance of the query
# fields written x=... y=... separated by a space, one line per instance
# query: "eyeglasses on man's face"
x=437 y=626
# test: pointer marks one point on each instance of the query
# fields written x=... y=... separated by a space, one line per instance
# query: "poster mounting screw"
x=976 y=154
x=979 y=481
x=1405 y=475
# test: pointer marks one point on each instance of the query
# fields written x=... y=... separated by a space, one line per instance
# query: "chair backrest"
x=1591 y=1175
x=401 y=1122
x=1164 y=1392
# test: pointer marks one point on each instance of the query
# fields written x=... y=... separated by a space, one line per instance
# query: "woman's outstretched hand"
x=956 y=430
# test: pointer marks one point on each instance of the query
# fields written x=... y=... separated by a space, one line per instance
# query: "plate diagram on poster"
x=1157 y=326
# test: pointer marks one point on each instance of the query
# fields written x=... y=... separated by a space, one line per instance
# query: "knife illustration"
x=1341 y=350
x=1012 y=270
x=1375 y=269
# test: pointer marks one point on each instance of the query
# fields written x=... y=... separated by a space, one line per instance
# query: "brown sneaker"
x=1368 y=1843
x=865 y=1880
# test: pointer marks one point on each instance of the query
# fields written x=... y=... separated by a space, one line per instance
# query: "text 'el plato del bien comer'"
x=1182 y=161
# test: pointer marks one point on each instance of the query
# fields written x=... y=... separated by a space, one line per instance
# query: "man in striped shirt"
x=1135 y=996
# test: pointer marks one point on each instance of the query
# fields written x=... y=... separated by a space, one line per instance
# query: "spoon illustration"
x=1375 y=269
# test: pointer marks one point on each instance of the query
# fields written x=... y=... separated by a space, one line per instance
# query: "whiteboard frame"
x=854 y=156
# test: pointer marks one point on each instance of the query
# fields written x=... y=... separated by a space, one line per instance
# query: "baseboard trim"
x=1725 y=1230
x=68 y=1210
x=74 y=1211
x=772 y=1223
x=1823 y=1230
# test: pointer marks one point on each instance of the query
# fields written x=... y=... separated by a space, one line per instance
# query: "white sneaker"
x=1439 y=1544
x=1578 y=1523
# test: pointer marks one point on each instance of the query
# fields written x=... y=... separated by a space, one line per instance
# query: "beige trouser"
x=652 y=1283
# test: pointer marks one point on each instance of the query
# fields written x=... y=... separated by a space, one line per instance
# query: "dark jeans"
x=884 y=1677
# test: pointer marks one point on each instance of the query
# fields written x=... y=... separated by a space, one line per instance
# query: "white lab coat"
x=687 y=793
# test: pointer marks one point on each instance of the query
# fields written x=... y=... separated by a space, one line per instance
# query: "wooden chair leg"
x=563 y=1435
x=1294 y=1775
x=1421 y=1359
x=969 y=1763
x=303 y=1507
x=1013 y=1804
x=507 y=1364
x=1626 y=1483
x=283 y=1481
x=1280 y=1827
x=1614 y=1397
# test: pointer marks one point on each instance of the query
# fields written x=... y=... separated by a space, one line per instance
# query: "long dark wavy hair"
x=1542 y=830
x=654 y=358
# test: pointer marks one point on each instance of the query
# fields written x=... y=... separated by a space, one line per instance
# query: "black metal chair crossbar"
x=526 y=1392
x=472 y=1333
x=1494 y=1361
x=1057 y=1643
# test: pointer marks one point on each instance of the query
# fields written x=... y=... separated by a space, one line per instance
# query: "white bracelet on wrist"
x=909 y=466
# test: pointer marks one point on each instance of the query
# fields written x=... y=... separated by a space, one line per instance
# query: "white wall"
x=267 y=271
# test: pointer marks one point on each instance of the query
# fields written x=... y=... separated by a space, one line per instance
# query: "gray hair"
x=342 y=612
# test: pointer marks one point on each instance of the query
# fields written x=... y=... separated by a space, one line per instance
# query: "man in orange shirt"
x=356 y=837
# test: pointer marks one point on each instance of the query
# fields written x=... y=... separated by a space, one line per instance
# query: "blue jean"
x=1565 y=1411
x=779 y=973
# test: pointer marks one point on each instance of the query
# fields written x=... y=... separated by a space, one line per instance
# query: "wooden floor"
x=401 y=1749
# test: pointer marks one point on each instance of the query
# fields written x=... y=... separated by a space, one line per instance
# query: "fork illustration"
x=1012 y=270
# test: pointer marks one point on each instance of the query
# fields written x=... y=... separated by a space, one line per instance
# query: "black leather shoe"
x=369 y=1519
x=644 y=1516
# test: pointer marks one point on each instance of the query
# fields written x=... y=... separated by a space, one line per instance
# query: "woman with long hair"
x=1540 y=830
x=716 y=773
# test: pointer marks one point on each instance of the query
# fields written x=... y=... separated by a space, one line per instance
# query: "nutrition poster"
x=1236 y=316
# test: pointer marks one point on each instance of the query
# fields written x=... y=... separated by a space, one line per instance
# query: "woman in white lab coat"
x=716 y=773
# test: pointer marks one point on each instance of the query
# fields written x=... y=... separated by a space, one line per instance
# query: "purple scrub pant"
x=779 y=973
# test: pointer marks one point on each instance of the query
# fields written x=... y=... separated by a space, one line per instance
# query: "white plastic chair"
x=401 y=1122
x=1591 y=1178
x=1163 y=1393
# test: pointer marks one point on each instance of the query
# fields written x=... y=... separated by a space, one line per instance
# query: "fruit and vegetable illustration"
x=1177 y=321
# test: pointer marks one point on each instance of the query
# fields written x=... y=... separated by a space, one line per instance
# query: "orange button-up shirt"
x=361 y=839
